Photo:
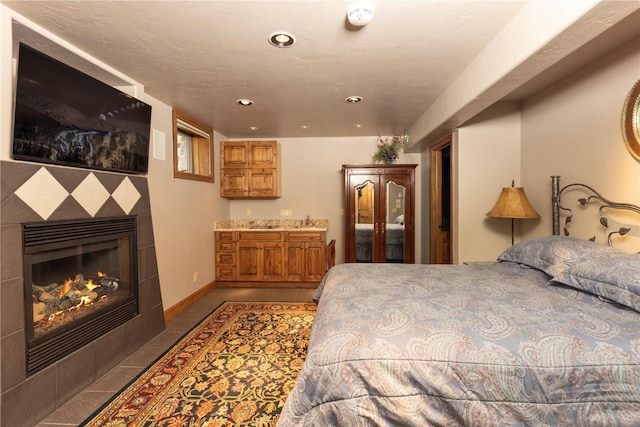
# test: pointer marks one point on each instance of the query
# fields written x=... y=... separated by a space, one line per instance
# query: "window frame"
x=202 y=158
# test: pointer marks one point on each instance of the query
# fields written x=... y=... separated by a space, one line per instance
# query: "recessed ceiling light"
x=244 y=102
x=253 y=127
x=281 y=39
x=358 y=126
x=353 y=99
x=304 y=127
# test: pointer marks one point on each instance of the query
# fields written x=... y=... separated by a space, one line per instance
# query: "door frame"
x=440 y=251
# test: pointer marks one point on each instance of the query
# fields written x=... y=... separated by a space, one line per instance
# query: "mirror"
x=631 y=121
x=394 y=236
x=364 y=205
x=192 y=149
x=365 y=199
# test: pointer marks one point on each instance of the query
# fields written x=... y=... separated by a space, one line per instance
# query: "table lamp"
x=513 y=204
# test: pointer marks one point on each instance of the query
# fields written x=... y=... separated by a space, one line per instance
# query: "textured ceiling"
x=201 y=56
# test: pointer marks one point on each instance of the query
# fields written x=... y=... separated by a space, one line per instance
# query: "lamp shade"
x=513 y=203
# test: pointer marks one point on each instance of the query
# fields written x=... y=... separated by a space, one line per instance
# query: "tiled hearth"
x=33 y=193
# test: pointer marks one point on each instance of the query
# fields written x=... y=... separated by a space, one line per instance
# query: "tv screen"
x=66 y=117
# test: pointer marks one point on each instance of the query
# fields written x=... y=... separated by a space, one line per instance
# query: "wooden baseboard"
x=304 y=285
x=172 y=312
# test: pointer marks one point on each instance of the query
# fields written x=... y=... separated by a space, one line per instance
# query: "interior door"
x=440 y=203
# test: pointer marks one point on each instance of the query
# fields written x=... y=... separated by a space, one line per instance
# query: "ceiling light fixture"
x=281 y=39
x=353 y=99
x=253 y=127
x=358 y=126
x=244 y=102
x=304 y=127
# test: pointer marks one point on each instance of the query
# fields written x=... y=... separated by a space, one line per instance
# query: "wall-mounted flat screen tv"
x=63 y=116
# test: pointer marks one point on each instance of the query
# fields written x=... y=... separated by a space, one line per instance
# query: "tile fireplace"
x=80 y=282
x=111 y=244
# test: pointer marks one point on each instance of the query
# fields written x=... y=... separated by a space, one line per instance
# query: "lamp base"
x=512 y=231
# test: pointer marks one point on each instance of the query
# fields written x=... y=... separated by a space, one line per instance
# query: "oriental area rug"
x=236 y=368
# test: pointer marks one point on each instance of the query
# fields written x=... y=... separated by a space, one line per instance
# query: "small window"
x=192 y=149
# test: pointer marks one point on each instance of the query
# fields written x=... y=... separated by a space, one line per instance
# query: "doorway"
x=440 y=200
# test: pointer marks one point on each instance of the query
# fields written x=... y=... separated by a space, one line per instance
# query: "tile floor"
x=84 y=404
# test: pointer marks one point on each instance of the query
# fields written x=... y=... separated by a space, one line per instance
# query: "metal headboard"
x=556 y=194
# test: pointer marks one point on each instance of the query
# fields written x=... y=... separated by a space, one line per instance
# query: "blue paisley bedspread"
x=476 y=345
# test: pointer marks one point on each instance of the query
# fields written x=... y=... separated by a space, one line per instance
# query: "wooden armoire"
x=380 y=219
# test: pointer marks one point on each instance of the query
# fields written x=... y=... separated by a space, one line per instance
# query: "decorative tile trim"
x=44 y=193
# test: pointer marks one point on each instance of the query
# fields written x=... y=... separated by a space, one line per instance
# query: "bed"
x=394 y=242
x=549 y=335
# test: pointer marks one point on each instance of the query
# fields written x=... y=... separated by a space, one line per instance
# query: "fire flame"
x=91 y=285
x=84 y=300
x=66 y=288
x=57 y=313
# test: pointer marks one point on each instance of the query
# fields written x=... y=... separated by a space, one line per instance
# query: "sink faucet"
x=306 y=221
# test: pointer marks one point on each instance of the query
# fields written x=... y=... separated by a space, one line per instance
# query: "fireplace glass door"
x=79 y=277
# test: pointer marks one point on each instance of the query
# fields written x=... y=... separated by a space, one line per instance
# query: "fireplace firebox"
x=80 y=281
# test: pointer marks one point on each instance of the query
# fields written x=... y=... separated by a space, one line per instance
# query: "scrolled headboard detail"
x=556 y=195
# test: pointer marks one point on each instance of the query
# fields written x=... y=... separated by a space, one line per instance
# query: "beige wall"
x=573 y=129
x=313 y=183
x=488 y=152
x=183 y=214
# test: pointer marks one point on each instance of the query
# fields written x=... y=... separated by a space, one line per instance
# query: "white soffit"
x=538 y=37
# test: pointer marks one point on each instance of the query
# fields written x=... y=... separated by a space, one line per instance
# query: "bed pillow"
x=399 y=219
x=613 y=277
x=553 y=254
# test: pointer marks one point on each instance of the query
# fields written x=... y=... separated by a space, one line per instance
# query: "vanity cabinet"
x=260 y=256
x=274 y=258
x=250 y=169
x=380 y=203
x=305 y=256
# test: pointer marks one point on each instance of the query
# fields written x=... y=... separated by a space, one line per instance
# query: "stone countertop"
x=272 y=224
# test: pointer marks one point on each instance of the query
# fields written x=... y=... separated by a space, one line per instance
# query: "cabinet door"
x=263 y=182
x=361 y=232
x=314 y=264
x=396 y=219
x=272 y=257
x=248 y=261
x=234 y=155
x=263 y=154
x=235 y=183
x=295 y=261
x=305 y=256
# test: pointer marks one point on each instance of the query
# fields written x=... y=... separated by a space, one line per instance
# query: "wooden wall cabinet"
x=250 y=169
x=274 y=258
x=380 y=203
